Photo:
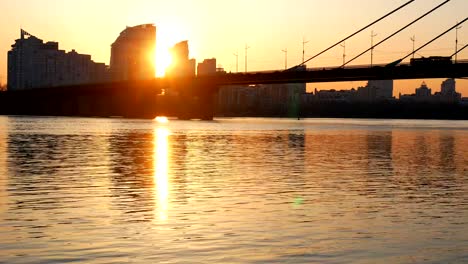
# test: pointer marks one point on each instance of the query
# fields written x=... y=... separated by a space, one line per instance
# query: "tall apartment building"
x=207 y=67
x=35 y=64
x=383 y=89
x=448 y=87
x=375 y=91
x=181 y=65
x=133 y=54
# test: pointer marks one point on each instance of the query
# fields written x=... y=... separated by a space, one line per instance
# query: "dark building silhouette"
x=207 y=67
x=374 y=92
x=132 y=54
x=181 y=65
x=423 y=91
x=35 y=64
x=423 y=94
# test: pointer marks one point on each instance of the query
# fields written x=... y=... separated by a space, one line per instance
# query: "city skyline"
x=220 y=29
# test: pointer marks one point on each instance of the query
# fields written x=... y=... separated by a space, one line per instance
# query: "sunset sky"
x=220 y=28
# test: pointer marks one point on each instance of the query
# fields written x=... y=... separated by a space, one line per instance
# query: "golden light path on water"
x=161 y=170
x=235 y=190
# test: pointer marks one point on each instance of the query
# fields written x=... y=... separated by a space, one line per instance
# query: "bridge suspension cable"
x=434 y=39
x=398 y=31
x=355 y=33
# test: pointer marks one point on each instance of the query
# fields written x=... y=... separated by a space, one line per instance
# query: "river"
x=233 y=191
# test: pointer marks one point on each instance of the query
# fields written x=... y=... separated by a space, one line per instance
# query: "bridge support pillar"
x=196 y=107
x=198 y=102
x=206 y=104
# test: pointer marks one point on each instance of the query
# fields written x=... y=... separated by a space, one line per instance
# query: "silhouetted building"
x=238 y=98
x=277 y=99
x=334 y=95
x=383 y=89
x=422 y=94
x=423 y=91
x=35 y=64
x=181 y=65
x=133 y=54
x=448 y=87
x=375 y=91
x=207 y=67
x=274 y=99
x=448 y=94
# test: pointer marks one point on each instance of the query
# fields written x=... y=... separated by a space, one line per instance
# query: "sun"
x=162 y=58
x=168 y=34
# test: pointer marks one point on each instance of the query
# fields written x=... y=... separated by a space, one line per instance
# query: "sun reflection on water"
x=3 y=166
x=161 y=119
x=161 y=169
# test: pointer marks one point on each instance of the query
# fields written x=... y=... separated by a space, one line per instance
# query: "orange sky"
x=220 y=28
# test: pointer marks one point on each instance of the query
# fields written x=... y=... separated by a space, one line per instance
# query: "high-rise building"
x=35 y=64
x=448 y=87
x=278 y=99
x=133 y=54
x=383 y=88
x=181 y=65
x=207 y=67
x=423 y=91
x=375 y=90
x=448 y=92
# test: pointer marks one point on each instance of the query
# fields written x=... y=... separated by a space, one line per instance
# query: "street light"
x=414 y=40
x=246 y=48
x=344 y=52
x=303 y=49
x=372 y=48
x=285 y=58
x=456 y=41
x=237 y=60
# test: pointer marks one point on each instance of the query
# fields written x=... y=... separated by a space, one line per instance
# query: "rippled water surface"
x=233 y=191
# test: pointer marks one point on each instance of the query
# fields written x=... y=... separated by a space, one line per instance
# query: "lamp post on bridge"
x=303 y=49
x=237 y=61
x=372 y=48
x=344 y=52
x=246 y=48
x=285 y=58
x=456 y=41
x=413 y=39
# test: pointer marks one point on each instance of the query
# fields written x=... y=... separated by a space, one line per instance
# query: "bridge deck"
x=380 y=72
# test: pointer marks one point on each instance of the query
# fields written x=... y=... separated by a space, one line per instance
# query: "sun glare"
x=161 y=119
x=168 y=34
x=163 y=61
